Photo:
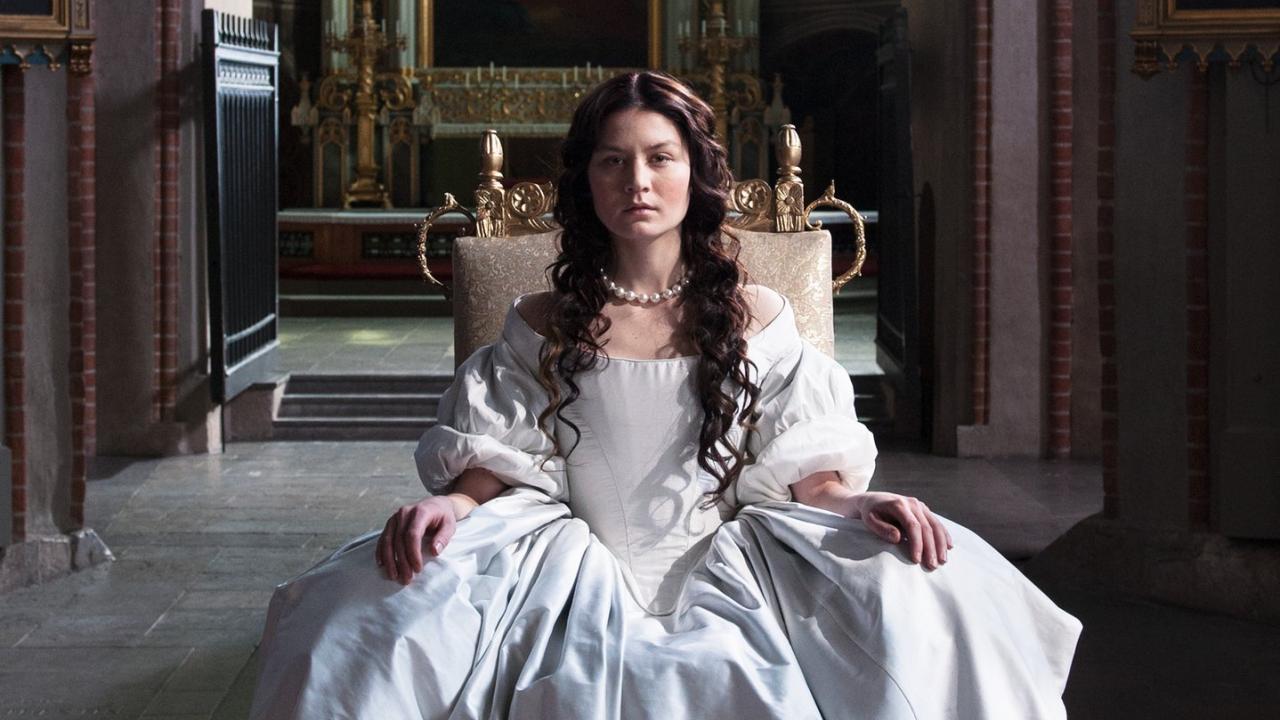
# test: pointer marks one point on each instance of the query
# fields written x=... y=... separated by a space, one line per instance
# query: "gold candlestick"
x=715 y=46
x=364 y=44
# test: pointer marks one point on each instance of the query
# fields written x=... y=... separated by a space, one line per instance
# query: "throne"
x=515 y=241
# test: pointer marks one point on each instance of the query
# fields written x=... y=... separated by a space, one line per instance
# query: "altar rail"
x=379 y=245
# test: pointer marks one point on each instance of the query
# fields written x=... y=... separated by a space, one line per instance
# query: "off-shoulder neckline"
x=525 y=327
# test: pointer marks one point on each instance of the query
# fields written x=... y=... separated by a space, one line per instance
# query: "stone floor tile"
x=210 y=668
x=183 y=703
x=206 y=627
x=197 y=599
x=82 y=681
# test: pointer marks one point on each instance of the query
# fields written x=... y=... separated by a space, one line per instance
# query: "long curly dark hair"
x=716 y=313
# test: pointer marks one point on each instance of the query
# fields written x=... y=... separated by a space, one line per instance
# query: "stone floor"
x=337 y=345
x=168 y=629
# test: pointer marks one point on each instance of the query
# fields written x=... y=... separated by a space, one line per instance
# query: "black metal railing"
x=241 y=75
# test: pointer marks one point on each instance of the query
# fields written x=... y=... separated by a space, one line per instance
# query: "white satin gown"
x=598 y=587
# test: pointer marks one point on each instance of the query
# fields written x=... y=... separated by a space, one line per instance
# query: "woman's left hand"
x=897 y=518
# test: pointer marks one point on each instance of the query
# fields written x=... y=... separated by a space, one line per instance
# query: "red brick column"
x=1106 y=249
x=165 y=254
x=14 y=265
x=1060 y=282
x=1196 y=204
x=981 y=206
x=81 y=191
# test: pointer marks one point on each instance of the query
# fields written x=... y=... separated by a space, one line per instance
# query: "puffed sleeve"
x=488 y=418
x=807 y=424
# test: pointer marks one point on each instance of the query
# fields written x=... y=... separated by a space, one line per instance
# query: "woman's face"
x=639 y=176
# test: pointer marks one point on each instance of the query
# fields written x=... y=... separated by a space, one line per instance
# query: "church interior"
x=1053 y=244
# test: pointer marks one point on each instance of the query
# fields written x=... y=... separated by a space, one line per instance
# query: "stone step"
x=359 y=405
x=350 y=428
x=373 y=384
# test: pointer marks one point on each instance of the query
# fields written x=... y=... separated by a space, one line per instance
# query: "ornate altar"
x=403 y=80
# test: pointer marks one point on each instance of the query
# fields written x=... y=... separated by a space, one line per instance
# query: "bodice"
x=633 y=475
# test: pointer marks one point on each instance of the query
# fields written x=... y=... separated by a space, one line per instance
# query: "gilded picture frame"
x=1164 y=28
x=51 y=25
x=426 y=46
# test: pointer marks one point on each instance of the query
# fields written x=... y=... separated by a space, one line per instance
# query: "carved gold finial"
x=788 y=197
x=788 y=153
x=490 y=160
x=491 y=218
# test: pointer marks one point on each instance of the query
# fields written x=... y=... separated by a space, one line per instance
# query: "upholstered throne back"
x=514 y=244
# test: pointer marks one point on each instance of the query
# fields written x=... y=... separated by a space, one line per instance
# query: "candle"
x=504 y=73
x=702 y=29
x=490 y=69
x=466 y=79
x=575 y=73
x=738 y=28
x=517 y=82
x=564 y=79
x=600 y=72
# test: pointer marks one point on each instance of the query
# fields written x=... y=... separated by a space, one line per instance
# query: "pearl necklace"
x=643 y=298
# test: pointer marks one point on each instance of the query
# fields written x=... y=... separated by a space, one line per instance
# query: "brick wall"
x=1060 y=210
x=81 y=222
x=165 y=253
x=1106 y=249
x=14 y=264
x=1196 y=181
x=981 y=206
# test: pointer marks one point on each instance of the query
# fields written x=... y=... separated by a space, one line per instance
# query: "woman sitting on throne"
x=649 y=499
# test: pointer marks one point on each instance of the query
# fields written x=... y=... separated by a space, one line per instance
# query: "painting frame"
x=426 y=34
x=1167 y=28
x=53 y=25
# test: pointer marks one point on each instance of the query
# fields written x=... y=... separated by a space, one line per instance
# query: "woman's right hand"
x=399 y=549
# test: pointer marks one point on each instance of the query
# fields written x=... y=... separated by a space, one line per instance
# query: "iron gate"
x=241 y=81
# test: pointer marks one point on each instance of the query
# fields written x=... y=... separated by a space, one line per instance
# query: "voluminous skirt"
x=791 y=612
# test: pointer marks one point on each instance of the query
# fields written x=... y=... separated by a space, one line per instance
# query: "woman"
x=649 y=501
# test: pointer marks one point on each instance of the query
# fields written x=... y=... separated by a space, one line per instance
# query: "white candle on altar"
x=466 y=79
x=702 y=29
x=490 y=69
x=564 y=79
x=600 y=72
x=575 y=73
x=517 y=82
x=504 y=73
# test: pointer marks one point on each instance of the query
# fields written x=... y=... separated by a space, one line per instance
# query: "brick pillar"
x=81 y=196
x=1060 y=228
x=14 y=265
x=1196 y=204
x=981 y=205
x=1106 y=250
x=165 y=253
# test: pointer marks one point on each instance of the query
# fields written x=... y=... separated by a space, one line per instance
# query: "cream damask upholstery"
x=514 y=244
x=490 y=272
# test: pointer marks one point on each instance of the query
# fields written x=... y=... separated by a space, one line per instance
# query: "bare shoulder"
x=764 y=303
x=534 y=309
